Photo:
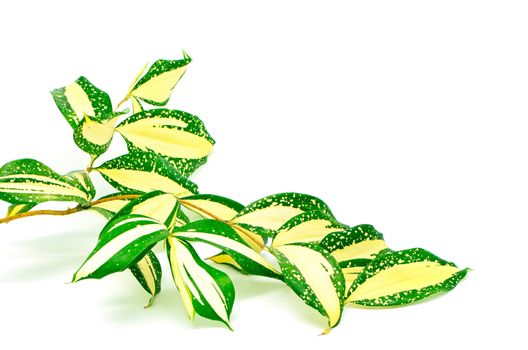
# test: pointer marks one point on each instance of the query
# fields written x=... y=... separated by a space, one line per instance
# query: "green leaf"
x=178 y=136
x=82 y=98
x=30 y=181
x=210 y=206
x=403 y=277
x=145 y=172
x=223 y=236
x=309 y=226
x=122 y=243
x=157 y=205
x=83 y=181
x=314 y=276
x=268 y=214
x=94 y=137
x=354 y=248
x=225 y=259
x=15 y=209
x=147 y=271
x=203 y=288
x=156 y=86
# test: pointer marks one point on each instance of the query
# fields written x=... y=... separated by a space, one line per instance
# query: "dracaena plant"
x=327 y=263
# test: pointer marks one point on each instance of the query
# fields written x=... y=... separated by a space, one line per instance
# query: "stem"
x=121 y=102
x=67 y=211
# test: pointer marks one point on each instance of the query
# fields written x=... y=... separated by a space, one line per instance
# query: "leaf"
x=30 y=181
x=109 y=208
x=82 y=179
x=179 y=136
x=354 y=248
x=145 y=172
x=82 y=98
x=156 y=86
x=157 y=205
x=223 y=236
x=211 y=206
x=136 y=105
x=226 y=259
x=268 y=214
x=123 y=242
x=403 y=277
x=94 y=137
x=310 y=226
x=147 y=271
x=15 y=209
x=315 y=277
x=203 y=289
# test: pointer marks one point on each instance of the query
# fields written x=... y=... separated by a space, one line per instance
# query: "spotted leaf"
x=147 y=271
x=268 y=214
x=145 y=172
x=178 y=136
x=155 y=87
x=309 y=226
x=203 y=289
x=30 y=181
x=94 y=137
x=315 y=277
x=403 y=277
x=223 y=236
x=81 y=98
x=122 y=242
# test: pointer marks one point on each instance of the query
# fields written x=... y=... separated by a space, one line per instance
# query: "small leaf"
x=309 y=226
x=269 y=213
x=30 y=181
x=109 y=208
x=15 y=209
x=157 y=205
x=403 y=277
x=123 y=242
x=83 y=180
x=147 y=271
x=94 y=137
x=156 y=86
x=203 y=289
x=226 y=259
x=178 y=136
x=145 y=172
x=315 y=277
x=223 y=236
x=82 y=98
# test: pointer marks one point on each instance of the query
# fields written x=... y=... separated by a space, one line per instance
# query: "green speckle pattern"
x=389 y=259
x=94 y=150
x=350 y=236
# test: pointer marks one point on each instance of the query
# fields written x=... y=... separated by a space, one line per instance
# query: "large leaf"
x=268 y=214
x=179 y=136
x=309 y=226
x=81 y=98
x=30 y=181
x=145 y=172
x=148 y=273
x=156 y=86
x=223 y=236
x=94 y=137
x=315 y=277
x=353 y=248
x=403 y=277
x=203 y=288
x=123 y=242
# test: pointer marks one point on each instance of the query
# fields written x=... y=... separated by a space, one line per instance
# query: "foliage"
x=289 y=237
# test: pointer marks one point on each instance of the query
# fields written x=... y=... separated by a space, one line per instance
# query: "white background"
x=409 y=115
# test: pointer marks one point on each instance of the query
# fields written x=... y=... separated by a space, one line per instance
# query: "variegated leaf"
x=210 y=206
x=123 y=242
x=225 y=259
x=109 y=208
x=147 y=271
x=403 y=277
x=203 y=289
x=145 y=172
x=353 y=248
x=155 y=87
x=268 y=214
x=83 y=181
x=178 y=136
x=309 y=226
x=223 y=236
x=30 y=181
x=315 y=277
x=94 y=137
x=82 y=98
